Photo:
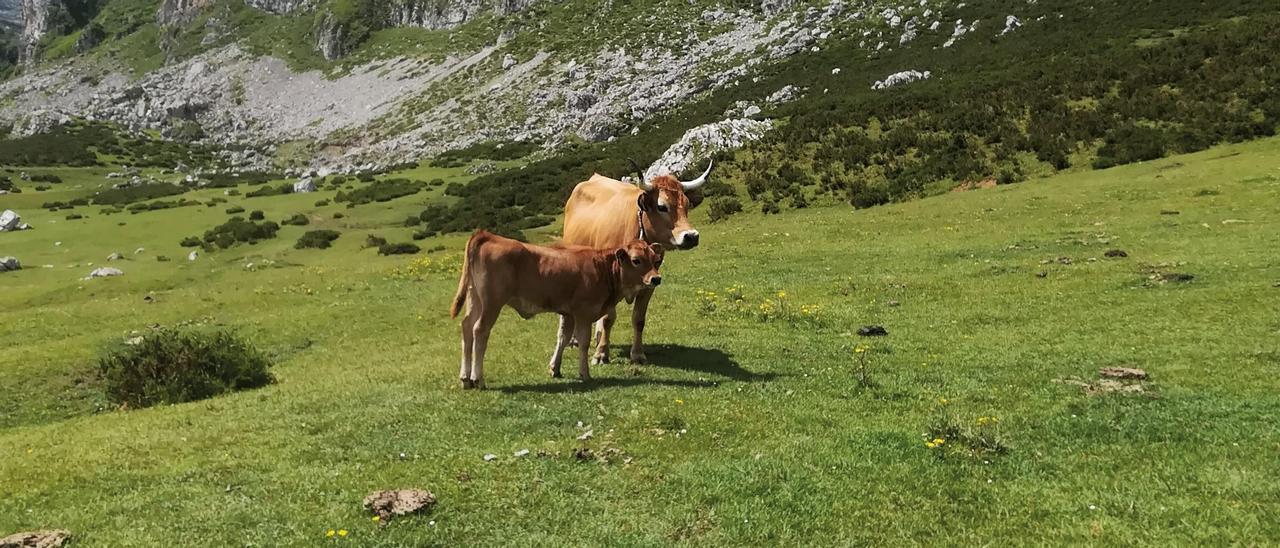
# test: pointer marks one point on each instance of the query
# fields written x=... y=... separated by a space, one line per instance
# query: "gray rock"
x=305 y=185
x=703 y=141
x=899 y=78
x=9 y=263
x=193 y=255
x=103 y=272
x=114 y=257
x=9 y=220
x=1011 y=23
x=509 y=61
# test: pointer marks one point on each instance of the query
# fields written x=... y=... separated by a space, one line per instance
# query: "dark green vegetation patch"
x=171 y=366
x=319 y=239
x=380 y=191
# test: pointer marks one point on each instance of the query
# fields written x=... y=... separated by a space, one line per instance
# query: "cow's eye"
x=662 y=208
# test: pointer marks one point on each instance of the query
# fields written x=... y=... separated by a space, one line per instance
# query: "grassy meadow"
x=751 y=426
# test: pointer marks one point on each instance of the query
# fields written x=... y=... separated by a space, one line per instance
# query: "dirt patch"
x=989 y=182
x=400 y=502
x=36 y=539
x=1123 y=373
x=1115 y=254
x=1114 y=380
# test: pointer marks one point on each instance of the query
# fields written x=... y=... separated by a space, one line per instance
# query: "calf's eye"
x=635 y=262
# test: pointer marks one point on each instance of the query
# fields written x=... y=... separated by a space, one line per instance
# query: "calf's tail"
x=464 y=283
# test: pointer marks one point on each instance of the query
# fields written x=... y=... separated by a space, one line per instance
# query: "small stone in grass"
x=893 y=303
x=520 y=453
x=1042 y=274
x=490 y=457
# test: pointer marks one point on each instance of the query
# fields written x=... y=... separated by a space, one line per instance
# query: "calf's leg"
x=468 y=339
x=484 y=324
x=562 y=339
x=582 y=327
x=602 y=346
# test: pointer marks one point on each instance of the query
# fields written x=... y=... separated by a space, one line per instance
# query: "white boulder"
x=9 y=220
x=104 y=272
x=9 y=263
x=305 y=185
x=899 y=78
x=703 y=141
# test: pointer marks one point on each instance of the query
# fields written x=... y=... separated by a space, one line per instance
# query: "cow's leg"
x=582 y=327
x=468 y=339
x=602 y=344
x=637 y=322
x=562 y=339
x=484 y=324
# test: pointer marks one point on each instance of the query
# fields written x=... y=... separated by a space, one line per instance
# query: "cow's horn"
x=690 y=185
x=640 y=180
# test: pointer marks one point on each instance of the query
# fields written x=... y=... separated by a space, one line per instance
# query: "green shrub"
x=422 y=234
x=723 y=207
x=319 y=239
x=239 y=230
x=374 y=241
x=322 y=203
x=338 y=215
x=45 y=178
x=190 y=241
x=257 y=215
x=297 y=219
x=132 y=194
x=174 y=366
x=268 y=190
x=401 y=248
x=412 y=220
x=74 y=216
x=437 y=182
x=380 y=191
x=769 y=207
x=235 y=209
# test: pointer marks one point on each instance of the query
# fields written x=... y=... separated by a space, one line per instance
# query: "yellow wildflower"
x=782 y=294
x=930 y=444
x=342 y=532
x=679 y=402
x=939 y=441
x=375 y=519
x=329 y=533
x=942 y=401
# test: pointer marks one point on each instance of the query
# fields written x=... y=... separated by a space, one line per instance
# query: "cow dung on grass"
x=36 y=539
x=399 y=502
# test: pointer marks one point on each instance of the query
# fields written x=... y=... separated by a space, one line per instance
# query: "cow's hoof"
x=600 y=358
x=638 y=358
x=555 y=373
x=467 y=384
x=479 y=383
x=584 y=378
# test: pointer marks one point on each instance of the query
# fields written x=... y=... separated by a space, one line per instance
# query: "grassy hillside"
x=751 y=426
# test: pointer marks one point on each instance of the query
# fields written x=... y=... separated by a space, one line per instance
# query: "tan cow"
x=580 y=284
x=606 y=213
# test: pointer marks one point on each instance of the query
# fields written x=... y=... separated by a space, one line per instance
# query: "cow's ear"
x=695 y=198
x=642 y=201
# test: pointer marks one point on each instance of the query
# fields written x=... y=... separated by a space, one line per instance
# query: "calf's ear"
x=621 y=254
x=658 y=249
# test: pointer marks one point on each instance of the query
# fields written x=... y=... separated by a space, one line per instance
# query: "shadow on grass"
x=705 y=361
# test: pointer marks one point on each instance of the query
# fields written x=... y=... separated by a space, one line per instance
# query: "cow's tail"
x=464 y=282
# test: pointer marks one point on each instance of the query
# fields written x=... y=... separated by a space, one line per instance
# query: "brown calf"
x=578 y=283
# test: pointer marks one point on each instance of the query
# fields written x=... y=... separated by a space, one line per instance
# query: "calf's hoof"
x=555 y=373
x=638 y=358
x=467 y=384
x=600 y=358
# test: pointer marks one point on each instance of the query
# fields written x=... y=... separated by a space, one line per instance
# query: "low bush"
x=173 y=366
x=297 y=219
x=374 y=241
x=238 y=230
x=235 y=209
x=380 y=191
x=268 y=190
x=131 y=194
x=723 y=207
x=319 y=239
x=400 y=248
x=74 y=216
x=257 y=215
x=190 y=241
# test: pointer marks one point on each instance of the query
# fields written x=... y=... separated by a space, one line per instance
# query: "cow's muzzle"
x=687 y=240
x=655 y=281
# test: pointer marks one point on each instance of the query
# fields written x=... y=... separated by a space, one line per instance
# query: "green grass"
x=778 y=442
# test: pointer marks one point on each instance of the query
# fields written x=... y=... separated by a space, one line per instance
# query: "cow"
x=605 y=213
x=578 y=283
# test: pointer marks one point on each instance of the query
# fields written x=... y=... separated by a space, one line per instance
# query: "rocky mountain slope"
x=385 y=81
